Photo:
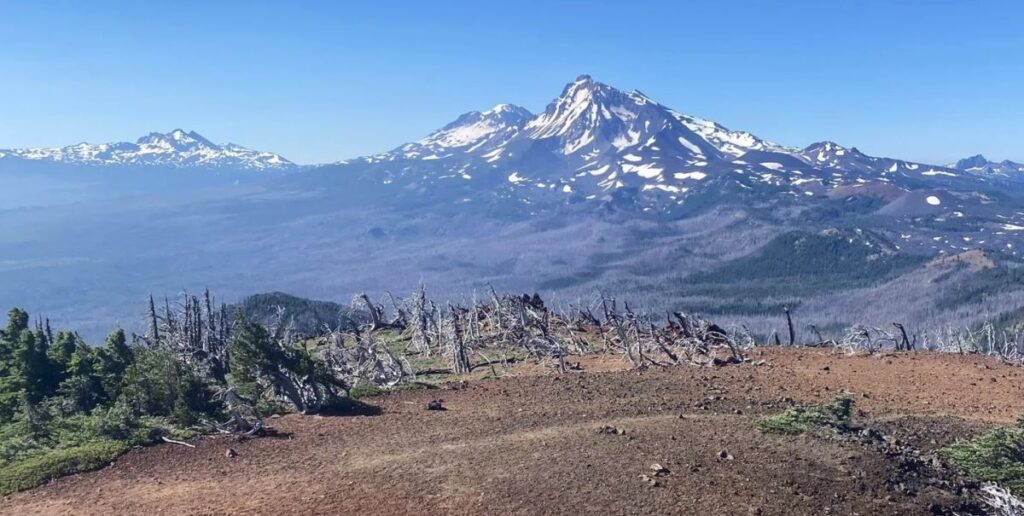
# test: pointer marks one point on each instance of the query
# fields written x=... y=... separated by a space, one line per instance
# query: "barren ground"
x=529 y=444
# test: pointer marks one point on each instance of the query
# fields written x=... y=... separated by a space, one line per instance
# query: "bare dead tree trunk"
x=154 y=327
x=685 y=325
x=637 y=341
x=821 y=339
x=421 y=331
x=457 y=346
x=905 y=344
x=661 y=344
x=789 y=322
x=211 y=323
x=376 y=317
x=497 y=309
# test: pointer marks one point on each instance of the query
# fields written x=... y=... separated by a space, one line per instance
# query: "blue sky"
x=323 y=81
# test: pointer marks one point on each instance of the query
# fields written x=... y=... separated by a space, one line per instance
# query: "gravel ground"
x=531 y=443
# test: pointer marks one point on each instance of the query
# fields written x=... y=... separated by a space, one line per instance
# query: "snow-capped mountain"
x=594 y=141
x=176 y=149
x=978 y=164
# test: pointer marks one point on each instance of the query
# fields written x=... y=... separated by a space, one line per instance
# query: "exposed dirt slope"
x=530 y=444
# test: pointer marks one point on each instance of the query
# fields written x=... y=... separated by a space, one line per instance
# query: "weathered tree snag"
x=211 y=322
x=905 y=344
x=457 y=346
x=420 y=318
x=789 y=322
x=154 y=327
x=821 y=339
x=661 y=345
x=685 y=325
x=375 y=313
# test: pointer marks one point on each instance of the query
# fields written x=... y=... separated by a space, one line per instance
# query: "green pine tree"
x=81 y=387
x=33 y=368
x=11 y=381
x=113 y=360
x=250 y=354
x=63 y=348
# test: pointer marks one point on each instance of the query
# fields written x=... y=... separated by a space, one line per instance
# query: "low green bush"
x=995 y=456
x=365 y=390
x=834 y=417
x=43 y=468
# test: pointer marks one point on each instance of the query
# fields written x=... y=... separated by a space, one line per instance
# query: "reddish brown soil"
x=529 y=444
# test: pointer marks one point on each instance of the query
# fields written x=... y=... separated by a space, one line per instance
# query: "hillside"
x=307 y=316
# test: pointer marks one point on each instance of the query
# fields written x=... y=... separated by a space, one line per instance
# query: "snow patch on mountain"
x=473 y=130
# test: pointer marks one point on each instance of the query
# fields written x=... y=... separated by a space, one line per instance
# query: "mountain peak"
x=581 y=99
x=504 y=108
x=178 y=138
x=471 y=131
x=508 y=113
x=979 y=163
x=825 y=145
x=976 y=161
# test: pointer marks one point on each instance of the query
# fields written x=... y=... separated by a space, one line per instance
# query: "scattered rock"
x=725 y=455
x=231 y=453
x=436 y=405
x=651 y=481
x=610 y=430
x=719 y=362
x=659 y=470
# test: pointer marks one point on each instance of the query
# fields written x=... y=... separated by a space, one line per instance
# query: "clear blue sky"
x=323 y=81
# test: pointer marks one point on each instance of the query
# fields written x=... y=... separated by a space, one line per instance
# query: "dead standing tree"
x=456 y=352
x=422 y=318
x=642 y=341
x=193 y=330
x=365 y=361
x=376 y=313
x=789 y=324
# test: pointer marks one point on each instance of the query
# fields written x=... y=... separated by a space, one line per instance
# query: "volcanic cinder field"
x=607 y=439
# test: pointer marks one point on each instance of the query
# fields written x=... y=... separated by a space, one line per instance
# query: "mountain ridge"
x=591 y=142
x=175 y=149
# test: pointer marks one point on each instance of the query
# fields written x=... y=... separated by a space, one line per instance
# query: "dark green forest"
x=67 y=406
x=799 y=262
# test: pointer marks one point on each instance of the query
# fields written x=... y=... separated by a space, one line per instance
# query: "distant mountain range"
x=592 y=139
x=176 y=149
